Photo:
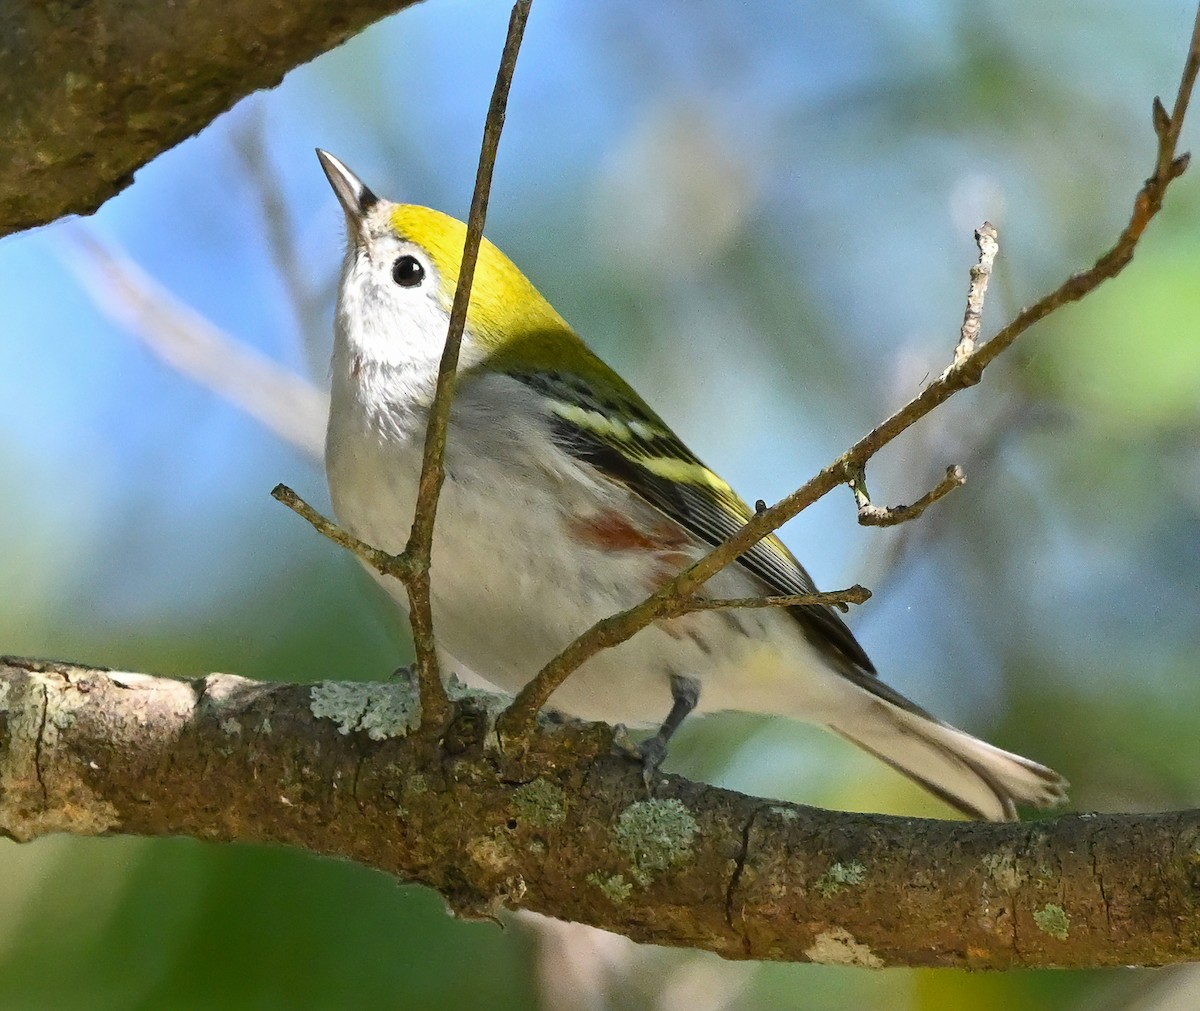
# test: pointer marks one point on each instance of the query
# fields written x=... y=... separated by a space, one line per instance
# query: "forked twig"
x=889 y=516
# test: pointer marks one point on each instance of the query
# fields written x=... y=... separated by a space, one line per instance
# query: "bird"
x=567 y=499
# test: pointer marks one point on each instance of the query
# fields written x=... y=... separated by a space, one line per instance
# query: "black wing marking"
x=709 y=508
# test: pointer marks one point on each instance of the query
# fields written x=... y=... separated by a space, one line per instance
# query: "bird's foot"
x=649 y=753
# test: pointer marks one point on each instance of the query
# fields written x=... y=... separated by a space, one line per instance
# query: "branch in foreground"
x=568 y=832
x=965 y=371
x=401 y=566
x=142 y=83
x=433 y=471
x=397 y=566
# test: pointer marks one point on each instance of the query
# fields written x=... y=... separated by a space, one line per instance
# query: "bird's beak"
x=352 y=194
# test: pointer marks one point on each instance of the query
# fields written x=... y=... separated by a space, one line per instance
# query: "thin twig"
x=989 y=246
x=399 y=567
x=855 y=594
x=386 y=564
x=870 y=515
x=620 y=627
x=435 y=704
x=889 y=516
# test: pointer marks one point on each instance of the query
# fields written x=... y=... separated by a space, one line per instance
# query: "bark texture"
x=92 y=89
x=567 y=828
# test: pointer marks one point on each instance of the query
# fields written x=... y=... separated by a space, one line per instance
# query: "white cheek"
x=384 y=323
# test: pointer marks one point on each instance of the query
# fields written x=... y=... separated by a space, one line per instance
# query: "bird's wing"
x=614 y=431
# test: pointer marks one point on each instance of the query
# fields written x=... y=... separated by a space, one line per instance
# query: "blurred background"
x=763 y=215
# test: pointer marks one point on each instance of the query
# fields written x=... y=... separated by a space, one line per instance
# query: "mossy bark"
x=91 y=90
x=566 y=828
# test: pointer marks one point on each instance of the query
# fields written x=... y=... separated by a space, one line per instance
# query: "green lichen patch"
x=614 y=886
x=840 y=876
x=378 y=709
x=1004 y=871
x=655 y=835
x=1053 y=920
x=230 y=727
x=540 y=803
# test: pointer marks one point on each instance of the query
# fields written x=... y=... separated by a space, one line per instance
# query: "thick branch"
x=91 y=91
x=569 y=832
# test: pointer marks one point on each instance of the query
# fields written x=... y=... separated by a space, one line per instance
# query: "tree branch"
x=889 y=516
x=968 y=336
x=568 y=831
x=91 y=91
x=965 y=370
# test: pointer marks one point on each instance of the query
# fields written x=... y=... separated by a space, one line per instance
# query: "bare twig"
x=401 y=567
x=435 y=704
x=288 y=405
x=989 y=246
x=397 y=566
x=855 y=594
x=960 y=375
x=886 y=516
x=889 y=516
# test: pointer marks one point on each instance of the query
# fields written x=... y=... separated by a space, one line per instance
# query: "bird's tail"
x=978 y=779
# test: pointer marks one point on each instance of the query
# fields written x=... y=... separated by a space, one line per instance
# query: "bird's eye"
x=408 y=272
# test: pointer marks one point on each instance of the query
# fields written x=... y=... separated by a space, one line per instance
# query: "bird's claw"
x=649 y=753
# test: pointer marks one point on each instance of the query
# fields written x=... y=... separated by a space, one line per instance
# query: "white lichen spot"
x=61 y=717
x=840 y=876
x=41 y=790
x=230 y=727
x=785 y=813
x=4 y=687
x=378 y=709
x=1053 y=920
x=265 y=726
x=655 y=835
x=838 y=947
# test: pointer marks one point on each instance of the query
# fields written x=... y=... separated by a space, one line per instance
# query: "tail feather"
x=979 y=779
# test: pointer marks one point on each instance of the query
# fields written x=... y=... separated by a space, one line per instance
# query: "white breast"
x=511 y=587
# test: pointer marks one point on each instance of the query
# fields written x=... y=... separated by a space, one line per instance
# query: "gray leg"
x=685 y=691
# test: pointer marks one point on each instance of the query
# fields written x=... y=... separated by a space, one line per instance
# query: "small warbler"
x=567 y=499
